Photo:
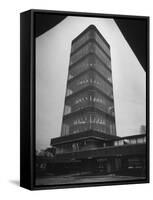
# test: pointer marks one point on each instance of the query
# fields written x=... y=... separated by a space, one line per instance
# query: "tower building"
x=89 y=116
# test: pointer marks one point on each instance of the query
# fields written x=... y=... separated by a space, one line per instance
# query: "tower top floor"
x=91 y=29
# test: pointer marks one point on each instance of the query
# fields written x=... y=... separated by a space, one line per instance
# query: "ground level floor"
x=125 y=166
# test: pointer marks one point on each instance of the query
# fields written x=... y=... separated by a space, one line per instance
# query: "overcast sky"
x=52 y=62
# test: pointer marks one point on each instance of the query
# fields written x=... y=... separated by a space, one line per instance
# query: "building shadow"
x=15 y=182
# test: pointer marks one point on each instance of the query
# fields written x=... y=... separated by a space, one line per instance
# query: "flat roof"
x=81 y=136
x=132 y=137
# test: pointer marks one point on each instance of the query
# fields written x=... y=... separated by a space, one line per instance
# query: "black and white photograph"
x=90 y=103
x=76 y=100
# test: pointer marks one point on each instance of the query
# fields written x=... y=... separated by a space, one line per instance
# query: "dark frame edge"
x=148 y=100
x=26 y=66
x=88 y=14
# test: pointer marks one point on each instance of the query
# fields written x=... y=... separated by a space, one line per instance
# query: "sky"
x=52 y=63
